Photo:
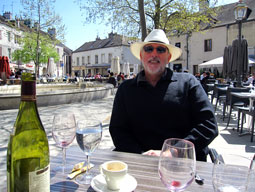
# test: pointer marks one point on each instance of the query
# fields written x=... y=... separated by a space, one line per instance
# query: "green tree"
x=174 y=16
x=42 y=16
x=29 y=52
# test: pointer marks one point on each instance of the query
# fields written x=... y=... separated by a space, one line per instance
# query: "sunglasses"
x=149 y=49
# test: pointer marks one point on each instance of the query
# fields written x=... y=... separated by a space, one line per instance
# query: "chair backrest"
x=215 y=90
x=211 y=80
x=237 y=99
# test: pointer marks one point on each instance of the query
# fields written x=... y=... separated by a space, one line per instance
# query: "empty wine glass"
x=63 y=133
x=177 y=164
x=232 y=173
x=88 y=136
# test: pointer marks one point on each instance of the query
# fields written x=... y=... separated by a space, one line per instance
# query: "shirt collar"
x=168 y=75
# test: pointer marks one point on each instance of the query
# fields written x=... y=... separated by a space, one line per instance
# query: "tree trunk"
x=142 y=18
x=37 y=69
x=157 y=15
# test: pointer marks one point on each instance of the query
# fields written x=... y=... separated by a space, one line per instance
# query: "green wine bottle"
x=28 y=163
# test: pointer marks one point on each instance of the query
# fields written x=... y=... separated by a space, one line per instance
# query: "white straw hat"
x=156 y=36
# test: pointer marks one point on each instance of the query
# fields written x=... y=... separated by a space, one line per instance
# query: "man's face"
x=154 y=57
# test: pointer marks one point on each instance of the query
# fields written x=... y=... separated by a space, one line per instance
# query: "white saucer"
x=98 y=183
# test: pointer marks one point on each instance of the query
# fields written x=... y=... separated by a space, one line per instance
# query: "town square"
x=159 y=97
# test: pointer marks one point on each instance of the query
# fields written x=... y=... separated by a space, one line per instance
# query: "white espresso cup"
x=114 y=173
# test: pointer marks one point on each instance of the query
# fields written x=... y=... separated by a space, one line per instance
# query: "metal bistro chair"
x=252 y=114
x=219 y=94
x=227 y=100
x=236 y=102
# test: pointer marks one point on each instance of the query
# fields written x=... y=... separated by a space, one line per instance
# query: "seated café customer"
x=112 y=80
x=159 y=104
x=204 y=81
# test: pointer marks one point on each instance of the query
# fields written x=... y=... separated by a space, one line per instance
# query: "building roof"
x=113 y=40
x=226 y=13
x=66 y=49
x=20 y=24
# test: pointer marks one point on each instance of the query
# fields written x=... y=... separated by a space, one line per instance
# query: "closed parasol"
x=136 y=68
x=229 y=63
x=234 y=59
x=51 y=67
x=239 y=59
x=244 y=54
x=115 y=65
x=126 y=68
x=225 y=62
x=5 y=68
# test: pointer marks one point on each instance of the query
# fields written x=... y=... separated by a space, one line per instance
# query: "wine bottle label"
x=28 y=91
x=39 y=181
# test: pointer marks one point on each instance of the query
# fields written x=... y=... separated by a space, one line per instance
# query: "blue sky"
x=77 y=32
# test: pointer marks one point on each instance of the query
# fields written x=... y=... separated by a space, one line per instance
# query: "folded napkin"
x=78 y=169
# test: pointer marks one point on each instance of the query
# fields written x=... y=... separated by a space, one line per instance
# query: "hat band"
x=157 y=42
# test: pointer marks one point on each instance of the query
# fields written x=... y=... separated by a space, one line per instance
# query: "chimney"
x=52 y=32
x=7 y=15
x=111 y=35
x=27 y=22
x=97 y=38
x=203 y=5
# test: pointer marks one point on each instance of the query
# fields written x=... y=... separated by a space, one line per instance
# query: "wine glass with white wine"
x=177 y=164
x=88 y=136
x=63 y=133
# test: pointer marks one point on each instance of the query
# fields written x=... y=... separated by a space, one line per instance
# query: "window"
x=0 y=34
x=1 y=51
x=58 y=50
x=96 y=59
x=110 y=58
x=9 y=36
x=178 y=44
x=83 y=61
x=88 y=59
x=78 y=61
x=208 y=45
x=102 y=58
x=9 y=53
x=17 y=39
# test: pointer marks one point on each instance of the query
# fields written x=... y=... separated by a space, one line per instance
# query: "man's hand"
x=168 y=153
x=152 y=153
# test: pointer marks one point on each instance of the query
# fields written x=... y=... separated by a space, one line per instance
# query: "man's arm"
x=204 y=123
x=120 y=128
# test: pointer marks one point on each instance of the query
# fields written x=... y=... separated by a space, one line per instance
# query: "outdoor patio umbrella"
x=51 y=67
x=126 y=68
x=234 y=59
x=1 y=64
x=135 y=68
x=244 y=53
x=115 y=65
x=5 y=67
x=229 y=61
x=225 y=62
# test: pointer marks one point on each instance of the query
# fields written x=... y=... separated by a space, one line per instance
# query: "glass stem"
x=64 y=157
x=88 y=165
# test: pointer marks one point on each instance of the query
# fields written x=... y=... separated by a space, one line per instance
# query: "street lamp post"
x=242 y=12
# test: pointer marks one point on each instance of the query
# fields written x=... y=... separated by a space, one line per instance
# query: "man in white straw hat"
x=159 y=104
